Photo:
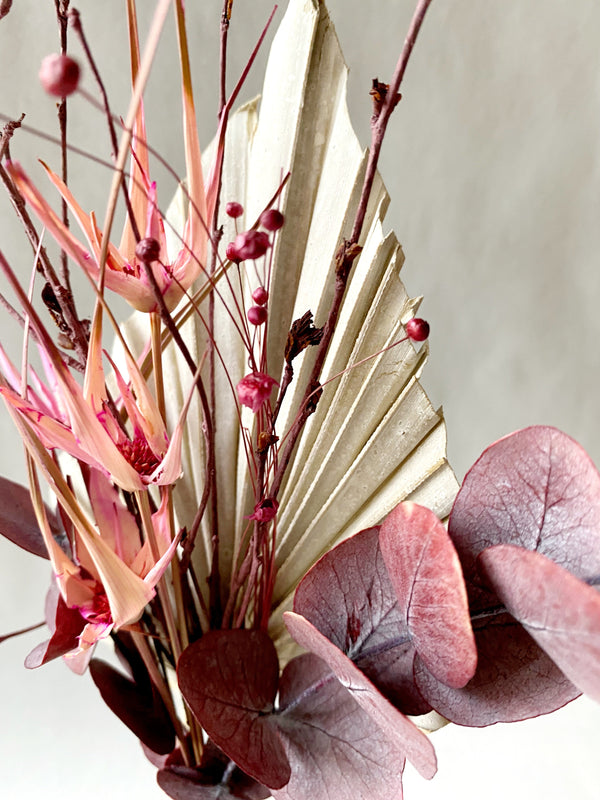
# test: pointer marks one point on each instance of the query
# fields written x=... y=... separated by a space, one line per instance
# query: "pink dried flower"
x=265 y=510
x=232 y=254
x=255 y=389
x=250 y=244
x=59 y=74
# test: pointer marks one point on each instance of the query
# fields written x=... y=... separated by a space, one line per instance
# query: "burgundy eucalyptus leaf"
x=515 y=679
x=348 y=597
x=558 y=610
x=65 y=624
x=398 y=729
x=140 y=709
x=229 y=679
x=184 y=787
x=335 y=749
x=18 y=521
x=217 y=778
x=425 y=572
x=5 y=7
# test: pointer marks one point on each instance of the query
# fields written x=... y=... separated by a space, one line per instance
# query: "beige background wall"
x=493 y=168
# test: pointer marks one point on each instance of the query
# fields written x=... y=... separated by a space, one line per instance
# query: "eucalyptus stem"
x=157 y=679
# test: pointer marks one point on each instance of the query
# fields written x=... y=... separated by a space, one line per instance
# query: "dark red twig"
x=350 y=249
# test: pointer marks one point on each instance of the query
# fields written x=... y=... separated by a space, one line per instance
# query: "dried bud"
x=59 y=75
x=260 y=296
x=378 y=93
x=302 y=334
x=272 y=220
x=417 y=329
x=255 y=389
x=52 y=304
x=234 y=210
x=265 y=440
x=147 y=250
x=251 y=244
x=257 y=315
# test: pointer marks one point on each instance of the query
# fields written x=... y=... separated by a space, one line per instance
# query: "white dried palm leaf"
x=375 y=438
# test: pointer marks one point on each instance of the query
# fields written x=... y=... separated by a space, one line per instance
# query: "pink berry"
x=147 y=250
x=234 y=209
x=257 y=315
x=272 y=220
x=260 y=296
x=251 y=244
x=417 y=329
x=59 y=75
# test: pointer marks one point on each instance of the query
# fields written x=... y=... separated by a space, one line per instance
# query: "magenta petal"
x=66 y=623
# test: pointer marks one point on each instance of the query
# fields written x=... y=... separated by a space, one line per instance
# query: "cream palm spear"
x=375 y=438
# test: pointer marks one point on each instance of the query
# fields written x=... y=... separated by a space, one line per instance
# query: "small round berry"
x=260 y=296
x=272 y=219
x=59 y=74
x=417 y=329
x=147 y=250
x=257 y=315
x=251 y=244
x=234 y=209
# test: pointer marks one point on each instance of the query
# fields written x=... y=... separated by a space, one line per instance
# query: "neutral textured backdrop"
x=492 y=164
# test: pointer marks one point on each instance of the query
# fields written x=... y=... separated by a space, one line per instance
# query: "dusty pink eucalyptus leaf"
x=558 y=610
x=229 y=679
x=335 y=749
x=349 y=598
x=18 y=521
x=398 y=729
x=536 y=489
x=426 y=575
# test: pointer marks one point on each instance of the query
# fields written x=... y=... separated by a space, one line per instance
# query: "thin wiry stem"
x=78 y=28
x=63 y=296
x=62 y=8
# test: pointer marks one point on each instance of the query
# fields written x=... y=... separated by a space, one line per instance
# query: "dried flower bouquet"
x=248 y=489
